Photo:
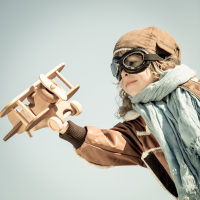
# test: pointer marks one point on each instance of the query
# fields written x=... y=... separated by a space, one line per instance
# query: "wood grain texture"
x=64 y=80
x=13 y=131
x=55 y=124
x=77 y=107
x=30 y=134
x=21 y=117
x=52 y=87
x=72 y=91
x=37 y=119
x=26 y=110
x=41 y=112
x=60 y=108
x=52 y=74
x=39 y=105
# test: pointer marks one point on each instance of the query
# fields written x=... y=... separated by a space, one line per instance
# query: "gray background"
x=38 y=35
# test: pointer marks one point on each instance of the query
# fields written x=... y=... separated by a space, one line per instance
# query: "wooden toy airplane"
x=48 y=105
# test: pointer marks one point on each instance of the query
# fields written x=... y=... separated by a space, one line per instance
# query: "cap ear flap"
x=163 y=49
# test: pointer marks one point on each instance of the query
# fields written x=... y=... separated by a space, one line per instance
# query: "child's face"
x=142 y=80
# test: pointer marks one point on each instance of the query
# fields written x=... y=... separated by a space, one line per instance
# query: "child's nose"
x=123 y=73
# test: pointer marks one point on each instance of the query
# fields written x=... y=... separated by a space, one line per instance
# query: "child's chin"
x=133 y=94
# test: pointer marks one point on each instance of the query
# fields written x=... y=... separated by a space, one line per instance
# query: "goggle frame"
x=118 y=64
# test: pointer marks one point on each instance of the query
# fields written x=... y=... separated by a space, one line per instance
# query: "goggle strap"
x=153 y=57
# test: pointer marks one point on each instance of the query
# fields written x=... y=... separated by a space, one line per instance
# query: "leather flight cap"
x=153 y=39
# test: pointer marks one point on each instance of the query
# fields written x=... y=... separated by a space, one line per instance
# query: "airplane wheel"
x=77 y=107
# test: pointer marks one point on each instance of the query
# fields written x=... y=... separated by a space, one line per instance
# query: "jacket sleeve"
x=108 y=147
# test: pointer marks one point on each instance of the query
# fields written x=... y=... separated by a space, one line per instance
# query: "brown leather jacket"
x=131 y=143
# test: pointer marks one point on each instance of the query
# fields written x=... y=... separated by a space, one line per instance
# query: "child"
x=160 y=109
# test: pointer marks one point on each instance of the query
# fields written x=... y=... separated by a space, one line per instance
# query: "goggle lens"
x=133 y=61
x=114 y=69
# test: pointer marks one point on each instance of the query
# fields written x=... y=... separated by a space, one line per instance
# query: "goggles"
x=133 y=62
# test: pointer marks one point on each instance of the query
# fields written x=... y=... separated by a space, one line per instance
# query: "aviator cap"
x=153 y=39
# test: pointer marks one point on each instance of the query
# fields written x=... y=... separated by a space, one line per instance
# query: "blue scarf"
x=175 y=125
